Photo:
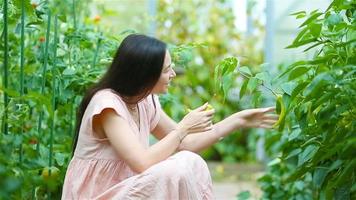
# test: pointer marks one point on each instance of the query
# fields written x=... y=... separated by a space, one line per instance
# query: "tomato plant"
x=49 y=59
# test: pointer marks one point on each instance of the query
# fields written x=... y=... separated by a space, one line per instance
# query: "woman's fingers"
x=206 y=115
x=205 y=119
x=269 y=122
x=200 y=119
x=201 y=129
x=269 y=109
x=207 y=123
x=202 y=108
x=209 y=113
x=208 y=128
x=265 y=126
x=203 y=123
x=271 y=117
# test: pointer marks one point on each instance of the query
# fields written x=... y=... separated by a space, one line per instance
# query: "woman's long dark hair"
x=135 y=70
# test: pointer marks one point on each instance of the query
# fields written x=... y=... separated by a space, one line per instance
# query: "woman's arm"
x=128 y=147
x=251 y=118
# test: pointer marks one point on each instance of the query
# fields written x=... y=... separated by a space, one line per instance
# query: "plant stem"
x=44 y=75
x=74 y=16
x=45 y=63
x=5 y=126
x=71 y=118
x=53 y=90
x=249 y=77
x=22 y=59
x=53 y=100
x=97 y=50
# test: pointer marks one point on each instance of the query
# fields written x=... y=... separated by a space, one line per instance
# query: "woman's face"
x=166 y=77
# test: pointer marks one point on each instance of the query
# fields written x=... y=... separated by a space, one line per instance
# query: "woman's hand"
x=198 y=120
x=257 y=118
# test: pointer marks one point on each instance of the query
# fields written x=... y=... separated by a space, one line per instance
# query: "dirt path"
x=231 y=179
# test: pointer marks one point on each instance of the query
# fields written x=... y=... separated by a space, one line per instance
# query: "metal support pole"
x=268 y=51
x=152 y=10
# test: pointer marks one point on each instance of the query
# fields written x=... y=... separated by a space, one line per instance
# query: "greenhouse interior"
x=178 y=99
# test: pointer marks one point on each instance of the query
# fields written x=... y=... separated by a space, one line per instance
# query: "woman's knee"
x=179 y=165
x=169 y=170
x=191 y=157
x=195 y=163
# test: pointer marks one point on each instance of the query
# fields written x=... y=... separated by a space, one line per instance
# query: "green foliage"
x=224 y=76
x=315 y=99
x=60 y=61
x=243 y=195
x=316 y=144
x=315 y=141
x=205 y=34
x=57 y=69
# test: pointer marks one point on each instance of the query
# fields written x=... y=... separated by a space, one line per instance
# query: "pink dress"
x=96 y=171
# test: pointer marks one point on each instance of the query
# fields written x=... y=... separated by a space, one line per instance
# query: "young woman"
x=112 y=157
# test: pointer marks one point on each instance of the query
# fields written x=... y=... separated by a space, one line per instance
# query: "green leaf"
x=312 y=18
x=297 y=72
x=243 y=88
x=294 y=134
x=216 y=77
x=291 y=67
x=299 y=185
x=320 y=81
x=319 y=60
x=341 y=44
x=343 y=192
x=69 y=71
x=333 y=19
x=256 y=98
x=288 y=87
x=245 y=70
x=27 y=5
x=301 y=43
x=346 y=173
x=294 y=153
x=312 y=46
x=62 y=17
x=299 y=89
x=244 y=195
x=315 y=29
x=310 y=141
x=252 y=84
x=329 y=191
x=307 y=154
x=319 y=176
x=324 y=97
x=260 y=76
x=223 y=68
x=231 y=64
x=223 y=73
x=335 y=165
x=60 y=158
x=9 y=91
x=300 y=35
x=274 y=162
x=227 y=82
x=298 y=13
x=265 y=77
x=297 y=174
x=302 y=15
